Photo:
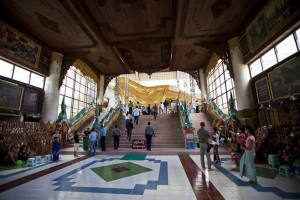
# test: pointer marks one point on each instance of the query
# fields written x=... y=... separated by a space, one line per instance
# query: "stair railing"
x=217 y=111
x=110 y=116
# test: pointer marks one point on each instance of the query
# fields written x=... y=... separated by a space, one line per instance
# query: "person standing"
x=203 y=136
x=129 y=128
x=166 y=104
x=149 y=132
x=155 y=111
x=215 y=143
x=56 y=145
x=136 y=115
x=247 y=164
x=127 y=118
x=93 y=142
x=103 y=137
x=149 y=109
x=116 y=134
x=76 y=143
x=161 y=108
x=240 y=138
x=130 y=105
x=196 y=106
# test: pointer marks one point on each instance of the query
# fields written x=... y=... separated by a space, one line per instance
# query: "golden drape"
x=148 y=95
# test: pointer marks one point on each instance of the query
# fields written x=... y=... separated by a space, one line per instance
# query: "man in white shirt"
x=136 y=114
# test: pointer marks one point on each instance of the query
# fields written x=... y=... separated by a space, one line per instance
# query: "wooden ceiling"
x=122 y=36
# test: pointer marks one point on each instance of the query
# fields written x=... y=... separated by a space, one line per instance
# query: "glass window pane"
x=68 y=110
x=218 y=82
x=82 y=88
x=68 y=101
x=221 y=69
x=216 y=74
x=75 y=104
x=71 y=74
x=232 y=83
x=69 y=92
x=224 y=67
x=76 y=94
x=78 y=77
x=21 y=75
x=227 y=75
x=81 y=105
x=268 y=59
x=298 y=37
x=77 y=86
x=222 y=78
x=219 y=100
x=70 y=82
x=6 y=69
x=224 y=96
x=88 y=99
x=228 y=85
x=81 y=97
x=255 y=68
x=37 y=80
x=62 y=89
x=83 y=81
x=286 y=48
x=223 y=88
x=219 y=91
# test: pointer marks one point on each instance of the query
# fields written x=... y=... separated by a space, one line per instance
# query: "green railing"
x=219 y=112
x=79 y=115
x=109 y=115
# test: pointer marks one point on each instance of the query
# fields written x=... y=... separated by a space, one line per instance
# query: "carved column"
x=51 y=99
x=101 y=89
x=244 y=95
x=202 y=83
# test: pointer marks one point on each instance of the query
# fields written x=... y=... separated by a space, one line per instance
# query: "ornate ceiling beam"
x=195 y=75
x=68 y=61
x=220 y=49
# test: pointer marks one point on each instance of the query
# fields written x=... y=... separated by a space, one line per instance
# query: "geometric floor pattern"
x=118 y=171
x=67 y=183
x=162 y=177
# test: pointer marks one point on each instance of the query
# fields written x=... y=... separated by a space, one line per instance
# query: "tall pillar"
x=202 y=83
x=101 y=89
x=244 y=95
x=51 y=99
x=137 y=77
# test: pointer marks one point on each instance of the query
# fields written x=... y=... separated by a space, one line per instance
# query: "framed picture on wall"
x=17 y=46
x=271 y=19
x=10 y=95
x=262 y=90
x=285 y=80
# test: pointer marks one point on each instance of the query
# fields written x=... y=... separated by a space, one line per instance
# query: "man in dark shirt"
x=129 y=127
x=76 y=143
x=149 y=132
x=116 y=134
x=203 y=136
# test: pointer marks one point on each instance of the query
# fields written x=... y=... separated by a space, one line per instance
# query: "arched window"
x=220 y=86
x=79 y=91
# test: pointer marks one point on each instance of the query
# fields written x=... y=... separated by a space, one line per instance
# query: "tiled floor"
x=139 y=177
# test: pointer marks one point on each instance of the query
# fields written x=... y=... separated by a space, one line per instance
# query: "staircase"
x=166 y=127
x=197 y=118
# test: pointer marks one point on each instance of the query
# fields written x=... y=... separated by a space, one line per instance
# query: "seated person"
x=11 y=156
x=144 y=110
x=22 y=154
